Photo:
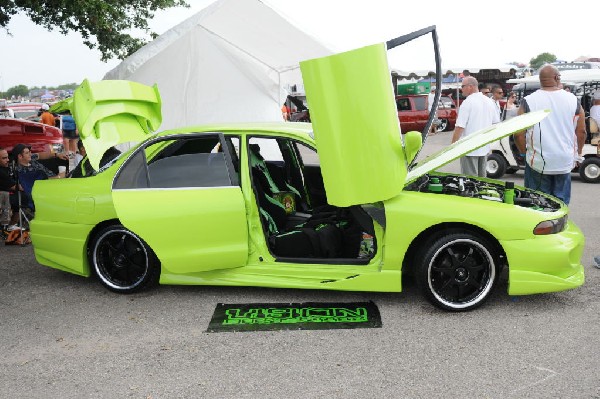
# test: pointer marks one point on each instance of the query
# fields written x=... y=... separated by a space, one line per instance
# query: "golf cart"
x=505 y=157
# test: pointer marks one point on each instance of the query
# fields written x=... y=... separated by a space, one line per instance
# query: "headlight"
x=551 y=226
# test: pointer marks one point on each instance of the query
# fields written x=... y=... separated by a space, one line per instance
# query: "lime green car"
x=336 y=205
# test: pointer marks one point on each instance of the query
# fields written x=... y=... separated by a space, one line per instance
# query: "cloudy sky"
x=471 y=34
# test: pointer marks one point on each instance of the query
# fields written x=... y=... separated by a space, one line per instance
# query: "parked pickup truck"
x=413 y=114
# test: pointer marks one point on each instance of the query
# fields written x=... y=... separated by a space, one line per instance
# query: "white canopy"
x=424 y=73
x=568 y=76
x=229 y=62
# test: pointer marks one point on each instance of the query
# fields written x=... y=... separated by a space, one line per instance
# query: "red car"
x=41 y=138
x=413 y=114
x=29 y=111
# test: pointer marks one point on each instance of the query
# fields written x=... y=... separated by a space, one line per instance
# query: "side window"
x=403 y=104
x=308 y=155
x=197 y=161
x=420 y=103
x=133 y=175
x=268 y=147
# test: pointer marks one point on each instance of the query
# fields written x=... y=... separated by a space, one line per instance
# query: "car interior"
x=298 y=222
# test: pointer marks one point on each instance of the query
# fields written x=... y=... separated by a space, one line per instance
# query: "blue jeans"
x=557 y=185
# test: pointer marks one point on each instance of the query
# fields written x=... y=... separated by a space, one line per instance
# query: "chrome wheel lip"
x=105 y=275
x=488 y=285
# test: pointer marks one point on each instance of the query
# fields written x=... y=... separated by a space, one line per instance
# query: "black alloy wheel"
x=122 y=261
x=457 y=271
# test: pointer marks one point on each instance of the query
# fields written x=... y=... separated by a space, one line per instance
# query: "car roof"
x=299 y=129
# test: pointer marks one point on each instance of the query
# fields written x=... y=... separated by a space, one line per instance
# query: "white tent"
x=229 y=62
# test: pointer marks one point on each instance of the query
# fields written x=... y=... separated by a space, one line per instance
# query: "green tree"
x=102 y=24
x=20 y=90
x=541 y=59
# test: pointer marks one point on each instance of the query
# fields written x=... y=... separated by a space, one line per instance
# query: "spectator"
x=554 y=144
x=8 y=199
x=5 y=112
x=84 y=167
x=21 y=153
x=595 y=109
x=485 y=90
x=286 y=112
x=476 y=112
x=497 y=94
x=46 y=117
x=510 y=109
x=70 y=134
x=6 y=186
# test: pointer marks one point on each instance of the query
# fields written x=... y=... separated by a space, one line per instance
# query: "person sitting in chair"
x=21 y=153
x=9 y=200
x=27 y=172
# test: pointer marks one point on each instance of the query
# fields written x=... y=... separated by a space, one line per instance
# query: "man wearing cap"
x=595 y=110
x=47 y=118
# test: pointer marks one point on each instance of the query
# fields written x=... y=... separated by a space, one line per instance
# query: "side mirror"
x=412 y=144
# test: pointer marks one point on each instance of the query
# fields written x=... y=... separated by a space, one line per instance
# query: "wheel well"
x=95 y=230
x=422 y=238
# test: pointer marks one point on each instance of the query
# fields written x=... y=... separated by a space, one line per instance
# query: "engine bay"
x=464 y=186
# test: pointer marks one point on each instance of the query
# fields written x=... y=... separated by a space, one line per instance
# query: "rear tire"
x=458 y=270
x=122 y=261
x=495 y=166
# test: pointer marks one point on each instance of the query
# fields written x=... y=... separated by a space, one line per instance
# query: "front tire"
x=495 y=166
x=457 y=271
x=122 y=261
x=589 y=170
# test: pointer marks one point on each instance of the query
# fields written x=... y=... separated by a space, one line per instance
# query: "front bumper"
x=547 y=263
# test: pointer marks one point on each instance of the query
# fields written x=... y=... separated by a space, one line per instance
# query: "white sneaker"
x=12 y=227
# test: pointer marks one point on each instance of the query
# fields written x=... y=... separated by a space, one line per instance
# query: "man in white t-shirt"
x=555 y=144
x=476 y=112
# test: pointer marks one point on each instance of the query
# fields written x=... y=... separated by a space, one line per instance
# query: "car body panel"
x=207 y=237
x=358 y=123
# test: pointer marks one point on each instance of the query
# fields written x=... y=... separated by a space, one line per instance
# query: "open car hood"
x=357 y=132
x=112 y=112
x=474 y=141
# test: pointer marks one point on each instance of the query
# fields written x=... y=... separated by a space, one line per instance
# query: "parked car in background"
x=28 y=111
x=41 y=138
x=413 y=113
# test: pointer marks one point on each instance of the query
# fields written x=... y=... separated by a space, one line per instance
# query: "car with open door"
x=339 y=204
